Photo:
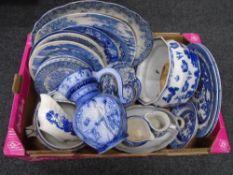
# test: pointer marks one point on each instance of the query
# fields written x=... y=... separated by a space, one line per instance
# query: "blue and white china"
x=208 y=96
x=159 y=122
x=186 y=116
x=52 y=72
x=139 y=131
x=63 y=48
x=75 y=37
x=115 y=48
x=131 y=84
x=160 y=140
x=106 y=23
x=140 y=27
x=52 y=143
x=54 y=120
x=100 y=119
x=182 y=76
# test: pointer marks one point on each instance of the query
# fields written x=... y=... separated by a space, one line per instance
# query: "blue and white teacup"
x=131 y=84
x=172 y=71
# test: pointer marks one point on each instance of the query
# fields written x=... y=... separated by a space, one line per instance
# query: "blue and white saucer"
x=112 y=51
x=53 y=71
x=208 y=96
x=186 y=116
x=160 y=141
x=75 y=37
x=140 y=27
x=61 y=48
x=106 y=23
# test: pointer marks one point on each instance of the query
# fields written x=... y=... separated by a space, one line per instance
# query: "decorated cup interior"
x=153 y=72
x=158 y=121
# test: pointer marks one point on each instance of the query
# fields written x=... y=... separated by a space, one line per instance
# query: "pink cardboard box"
x=25 y=99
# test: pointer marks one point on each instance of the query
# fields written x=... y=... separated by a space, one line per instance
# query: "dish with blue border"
x=106 y=23
x=160 y=141
x=112 y=48
x=60 y=48
x=186 y=116
x=135 y=21
x=53 y=71
x=75 y=37
x=208 y=96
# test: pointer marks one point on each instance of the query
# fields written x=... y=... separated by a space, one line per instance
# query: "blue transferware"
x=100 y=119
x=48 y=139
x=131 y=84
x=63 y=48
x=75 y=37
x=115 y=48
x=159 y=141
x=208 y=96
x=52 y=72
x=106 y=23
x=140 y=27
x=186 y=116
x=182 y=76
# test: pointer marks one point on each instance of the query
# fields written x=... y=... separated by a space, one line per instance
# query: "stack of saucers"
x=131 y=91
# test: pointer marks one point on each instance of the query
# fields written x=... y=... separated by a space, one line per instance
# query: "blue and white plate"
x=208 y=96
x=186 y=116
x=112 y=48
x=140 y=27
x=61 y=48
x=52 y=72
x=75 y=37
x=106 y=23
x=160 y=141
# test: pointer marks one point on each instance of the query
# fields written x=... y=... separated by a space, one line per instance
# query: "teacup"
x=169 y=75
x=131 y=84
x=54 y=120
x=158 y=121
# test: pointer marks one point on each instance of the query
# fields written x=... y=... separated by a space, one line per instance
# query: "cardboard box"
x=25 y=100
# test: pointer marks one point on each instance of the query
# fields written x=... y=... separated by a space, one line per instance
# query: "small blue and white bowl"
x=182 y=77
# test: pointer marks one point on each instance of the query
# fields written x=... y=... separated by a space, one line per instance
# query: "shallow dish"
x=140 y=27
x=63 y=48
x=75 y=37
x=52 y=72
x=106 y=23
x=208 y=96
x=160 y=141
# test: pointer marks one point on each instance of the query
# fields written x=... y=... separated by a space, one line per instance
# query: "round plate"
x=60 y=48
x=208 y=96
x=112 y=49
x=107 y=23
x=140 y=27
x=160 y=141
x=188 y=115
x=75 y=37
x=52 y=72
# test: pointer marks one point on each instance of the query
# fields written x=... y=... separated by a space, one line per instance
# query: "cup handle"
x=30 y=131
x=117 y=77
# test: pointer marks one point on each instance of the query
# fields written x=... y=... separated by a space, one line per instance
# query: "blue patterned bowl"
x=182 y=75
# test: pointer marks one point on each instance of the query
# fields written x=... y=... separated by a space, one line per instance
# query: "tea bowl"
x=172 y=71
